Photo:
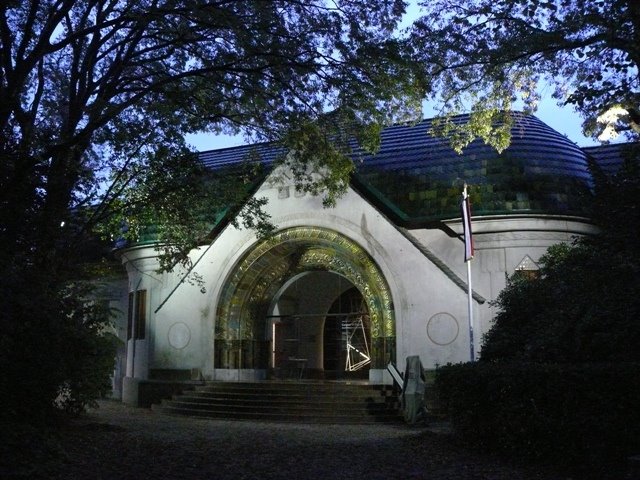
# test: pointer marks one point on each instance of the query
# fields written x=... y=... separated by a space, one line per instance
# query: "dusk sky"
x=563 y=119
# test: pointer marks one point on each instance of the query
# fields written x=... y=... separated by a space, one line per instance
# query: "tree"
x=584 y=306
x=486 y=55
x=96 y=89
x=98 y=94
x=536 y=390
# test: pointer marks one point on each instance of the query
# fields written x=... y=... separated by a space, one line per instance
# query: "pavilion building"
x=338 y=293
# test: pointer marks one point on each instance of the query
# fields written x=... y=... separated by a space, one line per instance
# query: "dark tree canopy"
x=488 y=55
x=584 y=307
x=97 y=91
x=95 y=99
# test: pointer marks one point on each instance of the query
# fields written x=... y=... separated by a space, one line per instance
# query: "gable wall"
x=430 y=309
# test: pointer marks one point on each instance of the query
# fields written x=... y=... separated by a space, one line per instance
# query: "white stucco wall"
x=430 y=309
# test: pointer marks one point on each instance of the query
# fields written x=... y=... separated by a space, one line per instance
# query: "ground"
x=120 y=442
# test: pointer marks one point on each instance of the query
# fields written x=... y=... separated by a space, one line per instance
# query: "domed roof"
x=417 y=177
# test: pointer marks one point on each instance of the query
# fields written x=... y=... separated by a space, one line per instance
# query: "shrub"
x=56 y=349
x=585 y=416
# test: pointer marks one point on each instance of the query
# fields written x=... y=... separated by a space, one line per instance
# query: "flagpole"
x=470 y=303
x=468 y=255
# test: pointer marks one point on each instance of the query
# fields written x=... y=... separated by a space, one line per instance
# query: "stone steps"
x=329 y=402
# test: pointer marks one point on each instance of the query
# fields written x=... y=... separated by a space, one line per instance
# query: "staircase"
x=302 y=402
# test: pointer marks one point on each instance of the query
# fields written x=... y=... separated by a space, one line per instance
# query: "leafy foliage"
x=584 y=306
x=86 y=368
x=558 y=370
x=97 y=96
x=556 y=378
x=57 y=348
x=492 y=55
x=579 y=417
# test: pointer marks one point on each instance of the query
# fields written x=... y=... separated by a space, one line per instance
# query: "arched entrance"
x=286 y=287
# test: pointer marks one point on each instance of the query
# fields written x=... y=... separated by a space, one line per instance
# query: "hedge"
x=585 y=415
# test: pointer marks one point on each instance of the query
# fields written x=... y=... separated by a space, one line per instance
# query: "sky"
x=561 y=118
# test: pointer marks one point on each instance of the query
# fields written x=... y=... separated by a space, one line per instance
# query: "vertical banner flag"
x=466 y=225
x=468 y=255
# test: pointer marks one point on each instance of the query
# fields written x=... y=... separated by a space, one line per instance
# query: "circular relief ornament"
x=179 y=335
x=442 y=328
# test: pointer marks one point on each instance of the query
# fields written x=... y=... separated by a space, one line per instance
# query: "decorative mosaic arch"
x=257 y=278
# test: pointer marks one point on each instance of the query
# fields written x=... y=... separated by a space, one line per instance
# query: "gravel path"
x=119 y=442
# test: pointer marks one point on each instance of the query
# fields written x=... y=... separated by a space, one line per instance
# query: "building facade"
x=338 y=293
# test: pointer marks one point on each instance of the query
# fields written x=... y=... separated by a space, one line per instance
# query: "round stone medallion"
x=442 y=328
x=179 y=335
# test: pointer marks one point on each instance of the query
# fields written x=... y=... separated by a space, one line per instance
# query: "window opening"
x=137 y=315
x=527 y=269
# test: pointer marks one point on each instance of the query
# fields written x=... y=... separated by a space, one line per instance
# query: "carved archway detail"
x=261 y=272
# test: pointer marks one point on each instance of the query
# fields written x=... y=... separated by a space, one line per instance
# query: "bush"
x=56 y=351
x=583 y=308
x=585 y=416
